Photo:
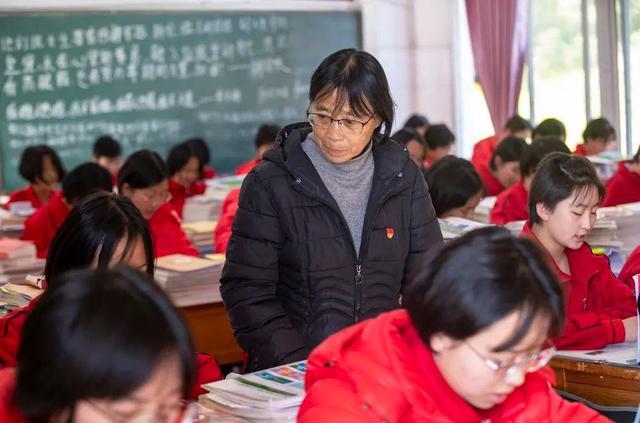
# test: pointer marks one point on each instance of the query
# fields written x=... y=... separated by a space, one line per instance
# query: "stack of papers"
x=624 y=354
x=483 y=210
x=604 y=234
x=11 y=225
x=189 y=280
x=627 y=219
x=454 y=227
x=200 y=234
x=13 y=296
x=272 y=395
x=17 y=260
x=207 y=207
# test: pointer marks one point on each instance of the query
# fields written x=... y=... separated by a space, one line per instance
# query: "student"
x=202 y=150
x=103 y=230
x=470 y=346
x=104 y=346
x=503 y=170
x=144 y=179
x=564 y=196
x=624 y=185
x=550 y=128
x=516 y=126
x=184 y=168
x=440 y=142
x=265 y=138
x=415 y=144
x=598 y=136
x=108 y=154
x=418 y=123
x=455 y=187
x=41 y=166
x=511 y=204
x=41 y=226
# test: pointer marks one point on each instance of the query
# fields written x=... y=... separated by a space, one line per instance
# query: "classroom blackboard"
x=152 y=80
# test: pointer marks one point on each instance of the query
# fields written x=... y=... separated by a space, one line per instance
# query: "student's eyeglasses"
x=347 y=126
x=530 y=363
x=183 y=412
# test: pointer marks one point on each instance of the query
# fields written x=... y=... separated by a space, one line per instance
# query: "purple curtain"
x=498 y=30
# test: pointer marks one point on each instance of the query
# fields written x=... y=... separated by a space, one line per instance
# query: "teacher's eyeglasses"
x=347 y=126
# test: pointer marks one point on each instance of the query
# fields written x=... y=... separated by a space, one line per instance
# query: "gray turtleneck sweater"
x=348 y=183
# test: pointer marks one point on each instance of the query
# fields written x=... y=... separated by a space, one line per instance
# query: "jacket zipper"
x=359 y=280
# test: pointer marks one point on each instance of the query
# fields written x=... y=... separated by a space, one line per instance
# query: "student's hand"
x=630 y=329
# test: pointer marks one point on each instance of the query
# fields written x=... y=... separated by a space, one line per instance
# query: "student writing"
x=41 y=166
x=144 y=179
x=511 y=204
x=82 y=181
x=563 y=200
x=470 y=346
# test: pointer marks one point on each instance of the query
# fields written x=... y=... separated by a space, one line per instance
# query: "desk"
x=602 y=384
x=211 y=332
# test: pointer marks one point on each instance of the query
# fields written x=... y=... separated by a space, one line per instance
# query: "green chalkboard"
x=152 y=80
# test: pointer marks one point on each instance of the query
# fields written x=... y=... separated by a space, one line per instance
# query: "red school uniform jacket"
x=26 y=194
x=623 y=187
x=11 y=326
x=222 y=232
x=511 y=205
x=380 y=370
x=208 y=173
x=42 y=226
x=246 y=167
x=580 y=150
x=179 y=194
x=8 y=411
x=631 y=268
x=596 y=301
x=483 y=150
x=491 y=184
x=168 y=236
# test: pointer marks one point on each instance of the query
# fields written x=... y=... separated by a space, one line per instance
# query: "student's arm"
x=546 y=405
x=332 y=400
x=590 y=330
x=426 y=237
x=250 y=278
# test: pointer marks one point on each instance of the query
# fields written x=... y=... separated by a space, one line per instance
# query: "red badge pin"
x=390 y=233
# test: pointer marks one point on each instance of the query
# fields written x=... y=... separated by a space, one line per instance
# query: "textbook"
x=272 y=395
x=454 y=227
x=189 y=280
x=200 y=234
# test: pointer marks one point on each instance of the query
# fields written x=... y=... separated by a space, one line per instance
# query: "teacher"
x=332 y=225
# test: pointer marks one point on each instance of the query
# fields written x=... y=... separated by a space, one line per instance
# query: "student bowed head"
x=104 y=346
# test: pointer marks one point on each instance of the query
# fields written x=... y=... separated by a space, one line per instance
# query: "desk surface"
x=602 y=384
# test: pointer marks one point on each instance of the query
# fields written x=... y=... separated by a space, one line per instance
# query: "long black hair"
x=92 y=232
x=359 y=81
x=481 y=278
x=97 y=335
x=31 y=168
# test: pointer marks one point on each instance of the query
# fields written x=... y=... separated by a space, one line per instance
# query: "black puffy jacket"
x=292 y=276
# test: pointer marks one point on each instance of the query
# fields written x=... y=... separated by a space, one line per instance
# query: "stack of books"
x=201 y=234
x=272 y=395
x=627 y=219
x=14 y=295
x=189 y=280
x=11 y=225
x=17 y=260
